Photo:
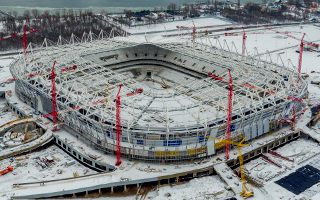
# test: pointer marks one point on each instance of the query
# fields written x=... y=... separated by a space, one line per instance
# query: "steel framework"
x=170 y=124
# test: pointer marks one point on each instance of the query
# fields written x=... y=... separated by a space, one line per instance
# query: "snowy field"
x=277 y=44
x=169 y=26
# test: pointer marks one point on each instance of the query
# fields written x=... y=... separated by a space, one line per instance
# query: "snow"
x=265 y=171
x=302 y=151
x=211 y=187
x=4 y=69
x=28 y=168
x=169 y=26
x=262 y=40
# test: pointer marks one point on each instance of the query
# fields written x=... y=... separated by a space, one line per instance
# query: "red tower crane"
x=229 y=116
x=54 y=112
x=287 y=33
x=244 y=39
x=118 y=121
x=300 y=56
x=118 y=127
x=14 y=35
x=24 y=37
x=194 y=31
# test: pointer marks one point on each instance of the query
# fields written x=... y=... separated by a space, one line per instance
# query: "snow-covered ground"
x=302 y=151
x=169 y=26
x=277 y=44
x=4 y=69
x=211 y=187
x=37 y=166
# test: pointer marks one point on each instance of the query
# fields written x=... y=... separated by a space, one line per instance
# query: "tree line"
x=50 y=26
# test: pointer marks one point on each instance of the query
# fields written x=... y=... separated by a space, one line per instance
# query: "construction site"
x=221 y=111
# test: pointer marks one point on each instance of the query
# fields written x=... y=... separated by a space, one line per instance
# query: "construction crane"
x=300 y=56
x=286 y=33
x=6 y=171
x=118 y=121
x=229 y=116
x=194 y=31
x=23 y=35
x=244 y=38
x=245 y=192
x=54 y=112
x=118 y=127
x=306 y=43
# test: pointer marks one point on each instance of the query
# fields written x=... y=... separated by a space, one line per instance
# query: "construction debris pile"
x=47 y=164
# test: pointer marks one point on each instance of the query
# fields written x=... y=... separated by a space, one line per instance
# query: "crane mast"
x=300 y=56
x=54 y=112
x=118 y=127
x=229 y=116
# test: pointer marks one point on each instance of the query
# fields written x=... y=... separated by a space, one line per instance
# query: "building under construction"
x=174 y=96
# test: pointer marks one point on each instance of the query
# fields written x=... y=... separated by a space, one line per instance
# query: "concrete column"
x=111 y=189
x=99 y=190
x=125 y=188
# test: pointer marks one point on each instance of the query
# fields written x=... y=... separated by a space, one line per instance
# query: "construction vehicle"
x=245 y=193
x=7 y=170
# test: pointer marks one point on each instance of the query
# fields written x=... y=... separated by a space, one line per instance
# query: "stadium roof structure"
x=177 y=92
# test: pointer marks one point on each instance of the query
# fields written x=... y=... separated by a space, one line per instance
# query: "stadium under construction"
x=174 y=96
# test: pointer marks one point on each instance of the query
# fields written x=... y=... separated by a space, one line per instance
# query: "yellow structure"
x=245 y=193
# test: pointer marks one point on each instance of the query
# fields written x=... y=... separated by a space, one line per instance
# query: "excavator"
x=245 y=193
x=7 y=170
